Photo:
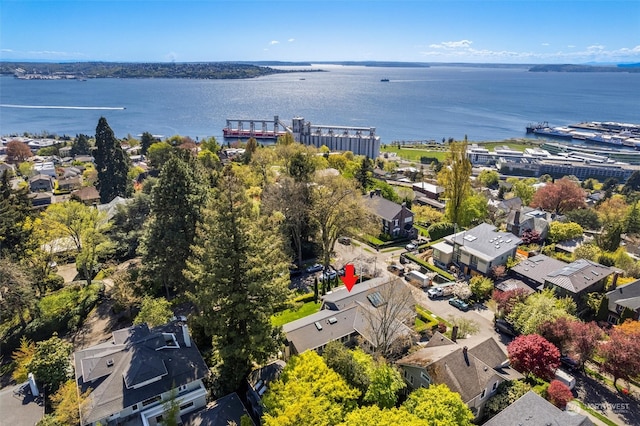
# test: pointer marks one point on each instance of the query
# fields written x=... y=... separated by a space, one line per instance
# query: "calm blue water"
x=417 y=104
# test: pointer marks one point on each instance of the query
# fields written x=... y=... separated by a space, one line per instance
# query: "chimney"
x=454 y=333
x=185 y=336
x=378 y=192
x=614 y=281
x=515 y=228
x=466 y=355
x=371 y=194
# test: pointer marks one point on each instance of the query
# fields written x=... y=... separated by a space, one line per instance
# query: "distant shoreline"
x=246 y=69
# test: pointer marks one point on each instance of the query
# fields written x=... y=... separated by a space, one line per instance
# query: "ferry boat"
x=384 y=79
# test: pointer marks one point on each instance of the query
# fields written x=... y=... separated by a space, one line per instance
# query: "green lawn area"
x=289 y=315
x=414 y=154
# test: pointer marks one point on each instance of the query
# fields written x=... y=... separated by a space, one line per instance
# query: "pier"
x=257 y=129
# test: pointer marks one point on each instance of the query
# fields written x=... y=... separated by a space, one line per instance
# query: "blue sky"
x=513 y=31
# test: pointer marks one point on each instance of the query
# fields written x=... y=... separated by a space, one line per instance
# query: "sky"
x=478 y=31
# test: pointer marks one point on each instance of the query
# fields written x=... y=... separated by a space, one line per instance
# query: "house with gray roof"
x=346 y=317
x=396 y=219
x=130 y=377
x=475 y=373
x=525 y=219
x=41 y=183
x=476 y=250
x=624 y=303
x=533 y=410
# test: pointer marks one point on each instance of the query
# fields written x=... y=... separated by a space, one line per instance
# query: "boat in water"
x=384 y=79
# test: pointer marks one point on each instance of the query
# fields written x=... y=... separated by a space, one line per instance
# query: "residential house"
x=9 y=168
x=111 y=208
x=70 y=183
x=258 y=382
x=41 y=200
x=575 y=279
x=45 y=168
x=88 y=195
x=533 y=410
x=224 y=411
x=130 y=377
x=397 y=219
x=624 y=303
x=474 y=372
x=351 y=316
x=528 y=219
x=41 y=183
x=428 y=190
x=477 y=250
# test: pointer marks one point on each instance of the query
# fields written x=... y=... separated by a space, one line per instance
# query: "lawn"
x=414 y=154
x=289 y=315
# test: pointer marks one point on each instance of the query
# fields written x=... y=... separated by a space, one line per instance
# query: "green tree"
x=22 y=356
x=489 y=178
x=342 y=361
x=128 y=225
x=364 y=173
x=170 y=230
x=633 y=219
x=373 y=415
x=50 y=362
x=508 y=392
x=308 y=393
x=301 y=166
x=385 y=383
x=587 y=218
x=154 y=312
x=523 y=188
x=17 y=297
x=632 y=184
x=337 y=209
x=15 y=208
x=210 y=144
x=159 y=153
x=239 y=278
x=87 y=227
x=481 y=286
x=80 y=145
x=438 y=405
x=562 y=231
x=65 y=403
x=146 y=141
x=112 y=164
x=527 y=316
x=454 y=178
x=474 y=210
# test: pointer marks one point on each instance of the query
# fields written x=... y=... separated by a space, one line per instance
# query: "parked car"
x=344 y=240
x=411 y=247
x=504 y=327
x=459 y=303
x=329 y=274
x=396 y=269
x=566 y=378
x=316 y=267
x=294 y=271
x=569 y=363
x=440 y=290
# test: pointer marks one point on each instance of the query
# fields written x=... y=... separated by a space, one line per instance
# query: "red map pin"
x=349 y=278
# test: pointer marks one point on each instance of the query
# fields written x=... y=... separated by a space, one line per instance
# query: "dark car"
x=294 y=271
x=569 y=363
x=344 y=240
x=396 y=269
x=459 y=303
x=316 y=267
x=504 y=327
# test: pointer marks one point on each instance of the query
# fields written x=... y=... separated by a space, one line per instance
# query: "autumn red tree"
x=559 y=394
x=533 y=354
x=621 y=351
x=558 y=197
x=557 y=332
x=585 y=337
x=506 y=300
x=17 y=151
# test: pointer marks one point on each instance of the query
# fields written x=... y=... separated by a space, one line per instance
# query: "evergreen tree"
x=364 y=173
x=15 y=208
x=112 y=164
x=239 y=271
x=170 y=230
x=146 y=141
x=80 y=145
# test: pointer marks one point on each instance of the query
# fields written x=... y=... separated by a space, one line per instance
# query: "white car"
x=411 y=247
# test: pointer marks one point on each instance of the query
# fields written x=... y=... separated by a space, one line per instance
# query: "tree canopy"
x=561 y=196
x=533 y=354
x=454 y=177
x=112 y=164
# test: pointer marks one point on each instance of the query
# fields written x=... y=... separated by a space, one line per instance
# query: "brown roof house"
x=397 y=219
x=474 y=372
x=88 y=195
x=132 y=376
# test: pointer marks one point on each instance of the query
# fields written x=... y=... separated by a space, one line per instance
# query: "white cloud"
x=452 y=44
x=595 y=47
x=571 y=46
x=272 y=42
x=291 y=40
x=6 y=50
x=545 y=44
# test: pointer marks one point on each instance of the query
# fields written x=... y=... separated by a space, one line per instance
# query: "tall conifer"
x=112 y=164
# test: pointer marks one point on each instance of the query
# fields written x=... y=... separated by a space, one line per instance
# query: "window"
x=135 y=407
x=495 y=385
x=411 y=379
x=484 y=391
x=151 y=401
x=187 y=405
x=424 y=377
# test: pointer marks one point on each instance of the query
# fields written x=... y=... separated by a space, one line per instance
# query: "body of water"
x=415 y=104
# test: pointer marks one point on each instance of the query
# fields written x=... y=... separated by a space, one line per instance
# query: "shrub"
x=559 y=394
x=440 y=230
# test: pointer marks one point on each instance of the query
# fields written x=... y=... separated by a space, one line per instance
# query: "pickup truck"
x=440 y=290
